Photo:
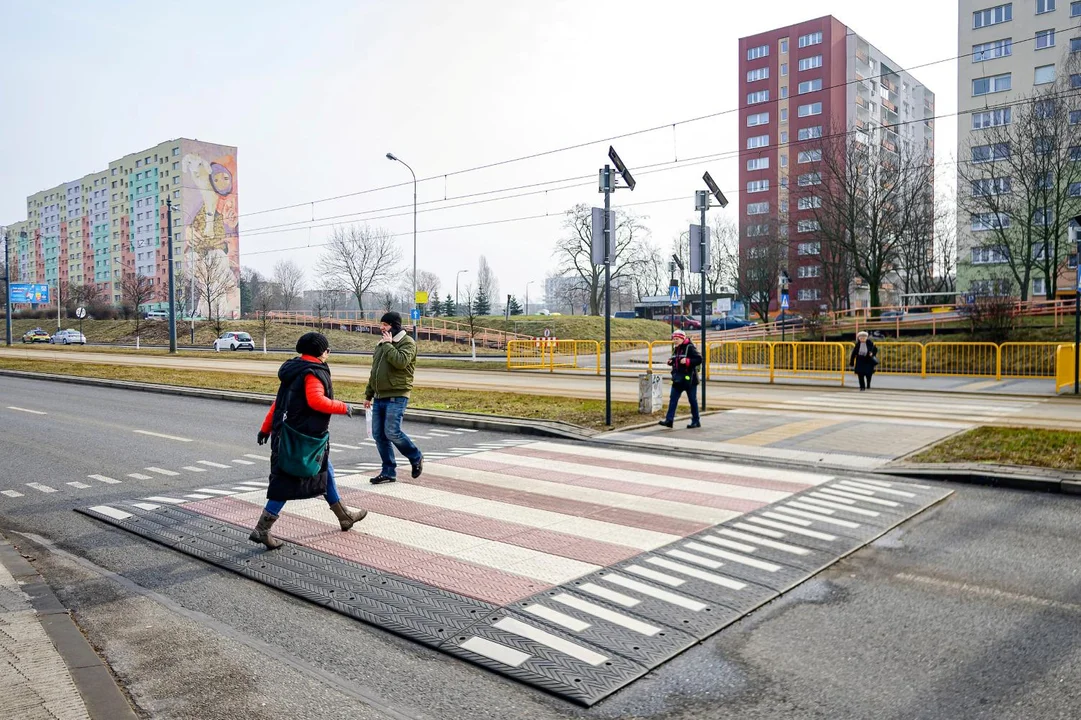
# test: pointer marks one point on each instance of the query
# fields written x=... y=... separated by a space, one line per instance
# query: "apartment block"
x=102 y=227
x=799 y=84
x=1007 y=52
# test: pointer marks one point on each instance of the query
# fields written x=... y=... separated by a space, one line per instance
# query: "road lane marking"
x=199 y=496
x=41 y=488
x=211 y=464
x=171 y=501
x=264 y=458
x=103 y=478
x=79 y=485
x=159 y=435
x=111 y=512
x=605 y=614
x=517 y=627
x=25 y=410
x=571 y=623
x=160 y=471
x=192 y=468
x=146 y=506
x=243 y=462
x=11 y=493
x=216 y=492
x=341 y=445
x=494 y=651
x=139 y=476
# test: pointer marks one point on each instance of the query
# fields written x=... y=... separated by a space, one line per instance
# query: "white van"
x=157 y=315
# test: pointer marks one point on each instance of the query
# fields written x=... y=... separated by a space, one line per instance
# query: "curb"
x=496 y=423
x=93 y=679
x=1014 y=477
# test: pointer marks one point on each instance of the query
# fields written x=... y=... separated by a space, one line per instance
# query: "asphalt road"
x=970 y=611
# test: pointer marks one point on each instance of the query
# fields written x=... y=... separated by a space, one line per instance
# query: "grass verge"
x=1058 y=449
x=585 y=413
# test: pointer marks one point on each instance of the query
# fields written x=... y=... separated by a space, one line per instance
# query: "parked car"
x=37 y=335
x=683 y=322
x=731 y=323
x=789 y=319
x=624 y=315
x=68 y=337
x=157 y=315
x=234 y=341
x=893 y=314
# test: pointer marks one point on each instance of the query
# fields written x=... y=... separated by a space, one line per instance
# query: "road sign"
x=80 y=312
x=30 y=293
x=597 y=247
x=722 y=305
x=421 y=297
x=784 y=301
x=547 y=332
x=673 y=294
x=415 y=313
x=696 y=249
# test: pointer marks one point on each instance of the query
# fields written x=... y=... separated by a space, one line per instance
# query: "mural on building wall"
x=210 y=215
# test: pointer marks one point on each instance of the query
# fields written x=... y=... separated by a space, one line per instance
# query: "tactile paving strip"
x=589 y=637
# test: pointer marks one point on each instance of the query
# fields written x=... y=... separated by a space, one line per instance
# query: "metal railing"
x=550 y=355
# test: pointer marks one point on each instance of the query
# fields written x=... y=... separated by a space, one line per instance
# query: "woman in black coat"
x=864 y=359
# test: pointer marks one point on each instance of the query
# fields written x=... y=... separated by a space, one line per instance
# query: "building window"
x=808 y=226
x=784 y=92
x=992 y=50
x=757 y=141
x=758 y=97
x=1043 y=145
x=809 y=271
x=989 y=221
x=1044 y=6
x=809 y=248
x=991 y=118
x=809 y=294
x=1075 y=81
x=760 y=208
x=990 y=153
x=809 y=109
x=1071 y=261
x=809 y=133
x=1045 y=39
x=784 y=45
x=784 y=115
x=758 y=74
x=809 y=86
x=758 y=164
x=757 y=186
x=1039 y=286
x=1042 y=218
x=987 y=187
x=808 y=203
x=758 y=52
x=809 y=156
x=991 y=84
x=988 y=256
x=810 y=63
x=784 y=163
x=808 y=179
x=1074 y=189
x=784 y=69
x=1075 y=8
x=758 y=119
x=1044 y=74
x=138 y=163
x=810 y=39
x=757 y=230
x=992 y=16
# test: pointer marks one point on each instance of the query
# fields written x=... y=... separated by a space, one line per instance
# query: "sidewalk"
x=46 y=665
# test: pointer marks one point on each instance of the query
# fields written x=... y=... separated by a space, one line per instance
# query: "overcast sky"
x=315 y=94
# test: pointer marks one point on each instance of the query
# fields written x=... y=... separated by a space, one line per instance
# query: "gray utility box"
x=650 y=394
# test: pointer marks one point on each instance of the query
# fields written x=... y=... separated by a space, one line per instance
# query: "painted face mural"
x=221 y=179
x=210 y=209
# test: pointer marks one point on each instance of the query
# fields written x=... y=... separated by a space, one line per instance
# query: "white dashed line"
x=243 y=462
x=146 y=506
x=103 y=478
x=161 y=471
x=79 y=485
x=159 y=435
x=41 y=488
x=264 y=458
x=211 y=464
x=139 y=476
x=25 y=410
x=171 y=501
x=193 y=468
x=11 y=493
x=111 y=512
x=344 y=446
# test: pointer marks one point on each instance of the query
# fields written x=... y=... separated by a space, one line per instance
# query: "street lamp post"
x=7 y=284
x=527 y=296
x=456 y=276
x=391 y=156
x=172 y=278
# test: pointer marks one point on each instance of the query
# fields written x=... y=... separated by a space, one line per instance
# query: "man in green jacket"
x=387 y=395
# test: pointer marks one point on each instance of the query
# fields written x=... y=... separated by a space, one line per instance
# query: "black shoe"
x=665 y=423
x=418 y=467
x=694 y=425
x=380 y=479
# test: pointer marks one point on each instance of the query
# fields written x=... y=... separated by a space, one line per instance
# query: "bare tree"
x=360 y=258
x=471 y=314
x=428 y=281
x=763 y=257
x=135 y=291
x=213 y=278
x=289 y=277
x=724 y=254
x=575 y=255
x=486 y=279
x=652 y=278
x=262 y=304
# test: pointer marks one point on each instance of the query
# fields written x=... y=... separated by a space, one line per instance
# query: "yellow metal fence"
x=821 y=360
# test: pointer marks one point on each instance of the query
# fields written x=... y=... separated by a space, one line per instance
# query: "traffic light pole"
x=702 y=257
x=607 y=297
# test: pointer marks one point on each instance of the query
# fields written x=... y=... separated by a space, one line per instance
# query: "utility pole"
x=701 y=198
x=1075 y=230
x=782 y=298
x=172 y=279
x=7 y=284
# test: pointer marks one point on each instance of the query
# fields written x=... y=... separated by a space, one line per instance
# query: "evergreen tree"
x=515 y=308
x=482 y=305
x=448 y=307
x=435 y=308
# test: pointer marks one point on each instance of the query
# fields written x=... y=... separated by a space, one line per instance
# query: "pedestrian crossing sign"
x=673 y=294
x=784 y=301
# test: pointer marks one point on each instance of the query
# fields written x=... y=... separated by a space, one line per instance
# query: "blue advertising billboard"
x=30 y=293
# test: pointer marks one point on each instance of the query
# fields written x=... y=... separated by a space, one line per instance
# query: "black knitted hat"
x=313 y=343
x=392 y=318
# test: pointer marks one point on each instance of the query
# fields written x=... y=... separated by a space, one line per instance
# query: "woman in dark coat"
x=305 y=403
x=864 y=359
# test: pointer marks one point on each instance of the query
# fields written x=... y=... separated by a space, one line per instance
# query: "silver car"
x=68 y=337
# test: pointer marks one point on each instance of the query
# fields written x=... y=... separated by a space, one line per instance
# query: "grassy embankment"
x=1057 y=449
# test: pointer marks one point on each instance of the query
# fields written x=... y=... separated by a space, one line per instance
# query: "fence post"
x=771 y=358
x=649 y=354
x=998 y=362
x=923 y=361
x=598 y=347
x=739 y=356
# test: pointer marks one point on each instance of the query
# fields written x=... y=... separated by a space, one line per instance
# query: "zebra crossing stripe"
x=103 y=478
x=11 y=493
x=78 y=485
x=41 y=488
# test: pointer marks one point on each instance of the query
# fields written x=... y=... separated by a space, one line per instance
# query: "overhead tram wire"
x=578 y=146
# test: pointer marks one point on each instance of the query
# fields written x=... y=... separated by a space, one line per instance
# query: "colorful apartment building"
x=100 y=228
x=798 y=84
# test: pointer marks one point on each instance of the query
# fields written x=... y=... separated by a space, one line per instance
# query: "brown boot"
x=346 y=517
x=261 y=533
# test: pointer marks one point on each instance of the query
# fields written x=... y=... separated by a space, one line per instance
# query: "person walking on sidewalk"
x=387 y=395
x=864 y=359
x=684 y=363
x=298 y=429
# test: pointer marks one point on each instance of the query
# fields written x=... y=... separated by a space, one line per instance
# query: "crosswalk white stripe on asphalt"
x=78 y=485
x=828 y=520
x=11 y=493
x=759 y=530
x=243 y=462
x=668 y=597
x=162 y=471
x=111 y=512
x=253 y=483
x=171 y=501
x=216 y=492
x=335 y=450
x=820 y=496
x=709 y=577
x=634 y=624
x=159 y=435
x=517 y=627
x=145 y=506
x=26 y=410
x=104 y=478
x=795 y=530
x=733 y=557
x=611 y=595
x=264 y=458
x=41 y=488
x=874 y=501
x=863 y=485
x=467 y=430
x=554 y=616
x=783 y=547
x=803 y=506
x=344 y=446
x=696 y=559
x=193 y=468
x=211 y=464
x=654 y=575
x=494 y=651
x=724 y=542
x=847 y=488
x=139 y=476
x=198 y=496
x=785 y=518
x=836 y=505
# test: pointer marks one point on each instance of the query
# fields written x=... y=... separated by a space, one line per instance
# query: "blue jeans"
x=387 y=429
x=673 y=401
x=274 y=507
